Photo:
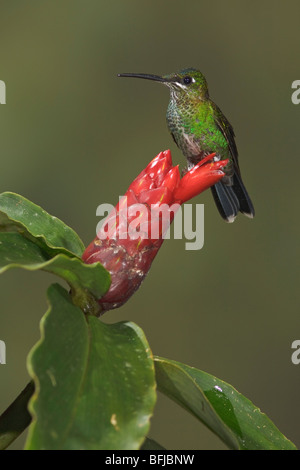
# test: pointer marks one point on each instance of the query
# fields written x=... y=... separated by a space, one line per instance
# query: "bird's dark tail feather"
x=232 y=199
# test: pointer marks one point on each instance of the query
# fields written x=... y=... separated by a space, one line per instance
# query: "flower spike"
x=132 y=233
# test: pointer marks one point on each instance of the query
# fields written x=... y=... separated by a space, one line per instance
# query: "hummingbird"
x=199 y=128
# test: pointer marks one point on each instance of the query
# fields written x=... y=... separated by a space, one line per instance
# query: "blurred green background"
x=73 y=136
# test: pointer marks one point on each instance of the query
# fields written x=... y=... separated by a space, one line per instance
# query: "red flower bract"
x=127 y=243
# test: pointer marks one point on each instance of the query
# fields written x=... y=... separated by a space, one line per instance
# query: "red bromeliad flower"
x=126 y=243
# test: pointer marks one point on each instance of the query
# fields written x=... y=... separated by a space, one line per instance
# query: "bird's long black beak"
x=146 y=76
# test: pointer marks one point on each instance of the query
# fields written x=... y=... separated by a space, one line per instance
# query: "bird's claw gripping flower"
x=127 y=253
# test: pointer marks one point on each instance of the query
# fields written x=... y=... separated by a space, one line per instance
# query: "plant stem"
x=16 y=417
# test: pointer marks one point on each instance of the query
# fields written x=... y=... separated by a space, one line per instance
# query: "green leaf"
x=15 y=418
x=19 y=214
x=230 y=415
x=95 y=383
x=17 y=251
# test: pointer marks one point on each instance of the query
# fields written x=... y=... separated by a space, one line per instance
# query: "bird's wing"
x=227 y=130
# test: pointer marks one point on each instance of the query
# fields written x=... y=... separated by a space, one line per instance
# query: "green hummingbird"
x=199 y=128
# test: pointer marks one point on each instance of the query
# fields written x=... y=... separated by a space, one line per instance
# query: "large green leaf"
x=17 y=251
x=95 y=383
x=19 y=214
x=230 y=415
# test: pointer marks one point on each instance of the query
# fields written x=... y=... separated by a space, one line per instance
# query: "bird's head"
x=189 y=82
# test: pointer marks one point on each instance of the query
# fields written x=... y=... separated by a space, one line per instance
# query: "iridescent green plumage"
x=199 y=128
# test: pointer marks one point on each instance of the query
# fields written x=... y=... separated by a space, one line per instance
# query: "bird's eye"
x=187 y=80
